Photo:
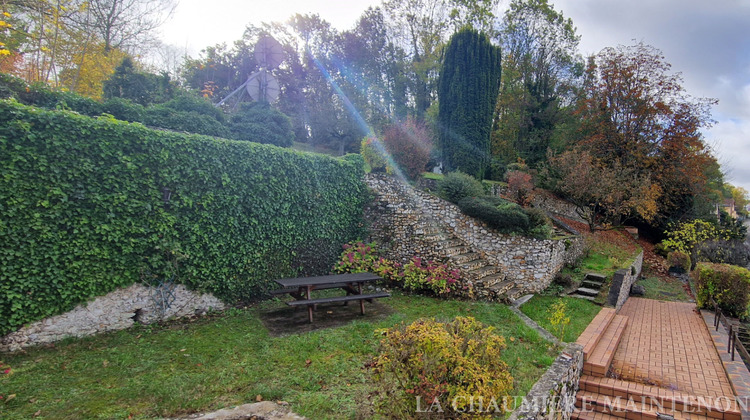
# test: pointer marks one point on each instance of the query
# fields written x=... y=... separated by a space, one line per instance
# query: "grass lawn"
x=580 y=311
x=670 y=289
x=229 y=359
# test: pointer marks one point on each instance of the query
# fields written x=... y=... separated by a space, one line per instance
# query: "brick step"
x=661 y=397
x=600 y=358
x=587 y=292
x=593 y=333
x=577 y=414
x=645 y=409
x=466 y=258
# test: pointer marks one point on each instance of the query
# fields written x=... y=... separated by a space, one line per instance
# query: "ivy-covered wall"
x=90 y=205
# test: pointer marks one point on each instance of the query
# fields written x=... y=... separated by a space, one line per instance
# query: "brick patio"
x=662 y=363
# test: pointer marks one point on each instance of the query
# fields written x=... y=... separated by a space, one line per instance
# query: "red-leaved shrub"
x=409 y=144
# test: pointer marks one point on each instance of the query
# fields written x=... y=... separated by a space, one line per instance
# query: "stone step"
x=590 y=337
x=461 y=259
x=482 y=272
x=591 y=284
x=587 y=292
x=502 y=286
x=601 y=356
x=456 y=250
x=450 y=243
x=515 y=292
x=647 y=409
x=589 y=298
x=595 y=277
x=661 y=398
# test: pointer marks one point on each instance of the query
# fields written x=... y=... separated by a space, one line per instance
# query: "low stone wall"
x=623 y=279
x=402 y=219
x=115 y=311
x=554 y=394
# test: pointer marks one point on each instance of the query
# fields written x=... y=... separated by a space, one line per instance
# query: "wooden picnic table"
x=301 y=289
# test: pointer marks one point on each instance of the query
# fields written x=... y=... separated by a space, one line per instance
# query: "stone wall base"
x=116 y=311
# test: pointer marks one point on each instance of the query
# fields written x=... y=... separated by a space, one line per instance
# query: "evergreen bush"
x=456 y=186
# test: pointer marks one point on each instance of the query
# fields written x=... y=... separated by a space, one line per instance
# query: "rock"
x=637 y=290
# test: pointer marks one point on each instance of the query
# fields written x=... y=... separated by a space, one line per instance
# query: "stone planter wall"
x=623 y=279
x=404 y=220
x=116 y=311
x=554 y=394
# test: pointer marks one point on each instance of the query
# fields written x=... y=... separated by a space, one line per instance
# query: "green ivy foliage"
x=83 y=211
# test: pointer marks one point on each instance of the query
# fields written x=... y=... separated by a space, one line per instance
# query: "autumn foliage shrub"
x=679 y=260
x=728 y=285
x=520 y=186
x=409 y=145
x=430 y=276
x=360 y=257
x=448 y=362
x=456 y=186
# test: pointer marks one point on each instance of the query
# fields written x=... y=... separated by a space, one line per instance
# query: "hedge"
x=90 y=205
x=728 y=285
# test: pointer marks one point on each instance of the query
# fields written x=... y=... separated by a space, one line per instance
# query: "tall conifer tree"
x=468 y=88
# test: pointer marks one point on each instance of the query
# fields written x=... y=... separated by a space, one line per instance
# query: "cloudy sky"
x=707 y=41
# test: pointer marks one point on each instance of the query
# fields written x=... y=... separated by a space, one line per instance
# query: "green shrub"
x=456 y=186
x=164 y=117
x=506 y=217
x=731 y=251
x=728 y=285
x=448 y=362
x=540 y=226
x=90 y=205
x=679 y=260
x=124 y=110
x=373 y=153
x=430 y=276
x=260 y=123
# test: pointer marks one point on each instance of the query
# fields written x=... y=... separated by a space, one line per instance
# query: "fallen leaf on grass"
x=9 y=397
x=38 y=413
x=259 y=398
x=307 y=362
x=512 y=339
x=105 y=363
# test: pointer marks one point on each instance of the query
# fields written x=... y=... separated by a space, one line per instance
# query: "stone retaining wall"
x=116 y=311
x=623 y=279
x=403 y=219
x=554 y=394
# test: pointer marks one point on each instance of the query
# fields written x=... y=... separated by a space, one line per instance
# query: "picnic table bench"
x=302 y=287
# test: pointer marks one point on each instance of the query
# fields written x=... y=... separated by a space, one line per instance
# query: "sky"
x=707 y=41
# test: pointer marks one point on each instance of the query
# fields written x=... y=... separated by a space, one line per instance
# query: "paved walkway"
x=667 y=344
x=736 y=369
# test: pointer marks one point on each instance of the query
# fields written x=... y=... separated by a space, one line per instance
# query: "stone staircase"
x=590 y=287
x=488 y=280
x=601 y=397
